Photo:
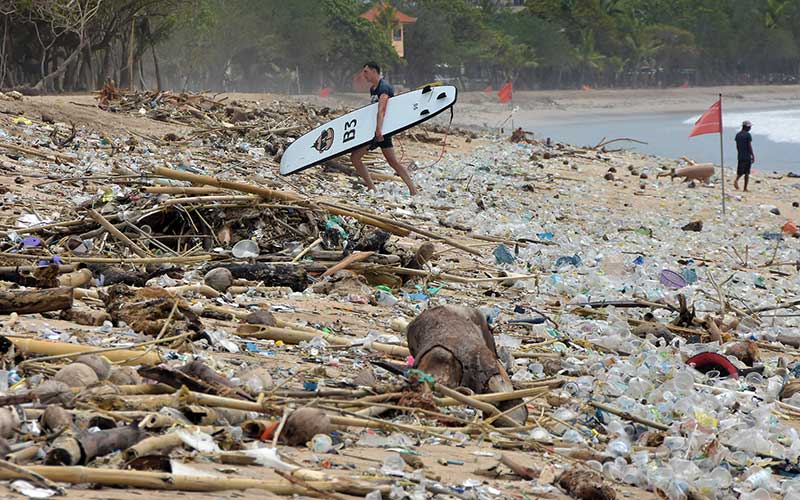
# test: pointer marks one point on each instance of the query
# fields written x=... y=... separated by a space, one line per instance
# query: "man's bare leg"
x=736 y=182
x=746 y=181
x=388 y=153
x=355 y=157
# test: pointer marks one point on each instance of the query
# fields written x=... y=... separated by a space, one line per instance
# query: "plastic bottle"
x=321 y=443
x=393 y=465
x=385 y=298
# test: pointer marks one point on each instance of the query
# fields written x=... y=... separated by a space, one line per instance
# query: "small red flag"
x=710 y=122
x=488 y=89
x=504 y=94
x=324 y=91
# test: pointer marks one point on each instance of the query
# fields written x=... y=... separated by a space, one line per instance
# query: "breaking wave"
x=777 y=125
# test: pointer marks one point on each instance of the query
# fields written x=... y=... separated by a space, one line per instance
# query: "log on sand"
x=35 y=301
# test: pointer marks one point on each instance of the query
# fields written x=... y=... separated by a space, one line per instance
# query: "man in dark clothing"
x=380 y=91
x=744 y=148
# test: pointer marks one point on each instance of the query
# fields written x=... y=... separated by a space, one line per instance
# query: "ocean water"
x=776 y=135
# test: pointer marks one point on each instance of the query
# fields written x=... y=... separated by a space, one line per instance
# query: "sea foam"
x=777 y=125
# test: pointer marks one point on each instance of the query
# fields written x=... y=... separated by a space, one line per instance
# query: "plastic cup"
x=245 y=249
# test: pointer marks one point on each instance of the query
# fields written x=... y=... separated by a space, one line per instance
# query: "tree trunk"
x=63 y=66
x=4 y=49
x=35 y=301
x=142 y=83
x=91 y=81
x=159 y=84
x=75 y=75
x=106 y=71
x=147 y=33
x=131 y=45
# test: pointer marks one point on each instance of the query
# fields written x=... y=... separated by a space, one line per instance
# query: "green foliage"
x=257 y=45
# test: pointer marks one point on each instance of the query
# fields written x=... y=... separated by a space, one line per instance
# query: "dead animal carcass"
x=455 y=346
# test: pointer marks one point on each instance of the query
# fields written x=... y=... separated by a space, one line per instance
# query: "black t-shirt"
x=743 y=140
x=381 y=88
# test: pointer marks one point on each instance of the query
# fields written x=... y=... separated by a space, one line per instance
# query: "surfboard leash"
x=444 y=141
x=444 y=144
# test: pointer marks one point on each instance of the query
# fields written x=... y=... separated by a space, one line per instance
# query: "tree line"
x=302 y=45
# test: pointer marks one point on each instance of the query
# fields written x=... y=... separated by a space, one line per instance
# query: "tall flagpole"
x=721 y=157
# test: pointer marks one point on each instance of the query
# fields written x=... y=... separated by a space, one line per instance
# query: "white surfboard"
x=357 y=128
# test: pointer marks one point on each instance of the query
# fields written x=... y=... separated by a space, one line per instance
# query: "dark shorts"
x=744 y=167
x=385 y=143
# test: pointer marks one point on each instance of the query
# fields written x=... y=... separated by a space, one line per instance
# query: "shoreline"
x=474 y=108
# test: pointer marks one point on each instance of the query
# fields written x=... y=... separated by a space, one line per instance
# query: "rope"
x=444 y=141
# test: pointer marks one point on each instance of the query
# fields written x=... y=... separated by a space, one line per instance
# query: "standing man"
x=380 y=91
x=744 y=148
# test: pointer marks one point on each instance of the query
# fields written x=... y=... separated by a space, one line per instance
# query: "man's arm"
x=752 y=154
x=382 y=100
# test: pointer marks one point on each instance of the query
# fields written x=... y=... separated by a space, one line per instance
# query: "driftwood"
x=23 y=275
x=269 y=194
x=605 y=142
x=196 y=376
x=291 y=275
x=35 y=301
x=82 y=449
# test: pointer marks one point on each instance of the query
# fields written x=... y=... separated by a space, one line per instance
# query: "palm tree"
x=642 y=46
x=588 y=58
x=774 y=11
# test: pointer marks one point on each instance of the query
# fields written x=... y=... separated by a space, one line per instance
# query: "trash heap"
x=174 y=315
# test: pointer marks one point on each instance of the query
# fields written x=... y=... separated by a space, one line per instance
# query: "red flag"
x=710 y=122
x=324 y=91
x=504 y=94
x=488 y=89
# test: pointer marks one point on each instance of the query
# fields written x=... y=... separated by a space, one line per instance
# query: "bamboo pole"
x=347 y=261
x=496 y=397
x=24 y=455
x=116 y=233
x=208 y=199
x=161 y=443
x=443 y=276
x=164 y=481
x=477 y=404
x=48 y=155
x=628 y=416
x=193 y=190
x=33 y=346
x=295 y=337
x=224 y=184
x=188 y=259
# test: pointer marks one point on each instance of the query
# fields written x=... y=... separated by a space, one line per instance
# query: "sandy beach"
x=602 y=211
x=479 y=109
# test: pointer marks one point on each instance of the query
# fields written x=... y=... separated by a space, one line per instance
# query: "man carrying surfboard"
x=380 y=91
